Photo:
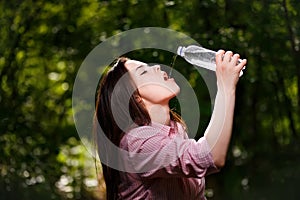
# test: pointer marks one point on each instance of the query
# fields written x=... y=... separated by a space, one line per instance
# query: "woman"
x=175 y=166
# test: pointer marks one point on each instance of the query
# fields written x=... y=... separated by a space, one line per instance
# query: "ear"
x=138 y=98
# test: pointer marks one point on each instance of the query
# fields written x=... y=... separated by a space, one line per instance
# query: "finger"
x=242 y=64
x=227 y=56
x=219 y=56
x=235 y=58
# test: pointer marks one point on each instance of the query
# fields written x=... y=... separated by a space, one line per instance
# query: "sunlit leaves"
x=78 y=169
x=43 y=43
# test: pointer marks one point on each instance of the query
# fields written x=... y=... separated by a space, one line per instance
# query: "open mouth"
x=166 y=77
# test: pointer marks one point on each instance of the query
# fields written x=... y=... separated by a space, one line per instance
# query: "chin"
x=177 y=91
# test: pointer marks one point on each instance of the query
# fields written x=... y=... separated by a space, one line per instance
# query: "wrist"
x=227 y=90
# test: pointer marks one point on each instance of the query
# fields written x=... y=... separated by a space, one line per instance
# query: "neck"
x=159 y=113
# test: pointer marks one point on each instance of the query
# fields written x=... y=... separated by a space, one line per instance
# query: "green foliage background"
x=43 y=42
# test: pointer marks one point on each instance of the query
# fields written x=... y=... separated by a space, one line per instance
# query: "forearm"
x=218 y=132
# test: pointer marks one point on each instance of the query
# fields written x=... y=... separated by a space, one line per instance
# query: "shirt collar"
x=164 y=128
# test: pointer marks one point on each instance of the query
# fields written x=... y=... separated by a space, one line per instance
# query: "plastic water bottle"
x=200 y=57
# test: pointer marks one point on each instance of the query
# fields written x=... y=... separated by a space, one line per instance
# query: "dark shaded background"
x=42 y=44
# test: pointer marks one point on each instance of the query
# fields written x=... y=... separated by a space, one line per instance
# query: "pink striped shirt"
x=176 y=165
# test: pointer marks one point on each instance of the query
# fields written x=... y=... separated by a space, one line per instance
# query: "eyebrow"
x=140 y=67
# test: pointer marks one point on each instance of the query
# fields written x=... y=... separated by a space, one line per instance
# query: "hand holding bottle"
x=228 y=68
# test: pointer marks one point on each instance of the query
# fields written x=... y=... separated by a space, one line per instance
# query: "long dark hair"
x=104 y=115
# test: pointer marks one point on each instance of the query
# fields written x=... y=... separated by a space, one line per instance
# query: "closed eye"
x=144 y=72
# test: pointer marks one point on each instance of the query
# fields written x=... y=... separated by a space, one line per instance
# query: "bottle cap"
x=180 y=51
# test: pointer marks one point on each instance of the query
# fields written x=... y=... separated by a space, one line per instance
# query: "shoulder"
x=181 y=130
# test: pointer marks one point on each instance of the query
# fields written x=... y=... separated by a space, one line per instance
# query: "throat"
x=159 y=114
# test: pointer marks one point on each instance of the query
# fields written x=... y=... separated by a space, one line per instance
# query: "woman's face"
x=153 y=84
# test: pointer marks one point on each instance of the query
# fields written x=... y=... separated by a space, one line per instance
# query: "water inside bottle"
x=172 y=64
